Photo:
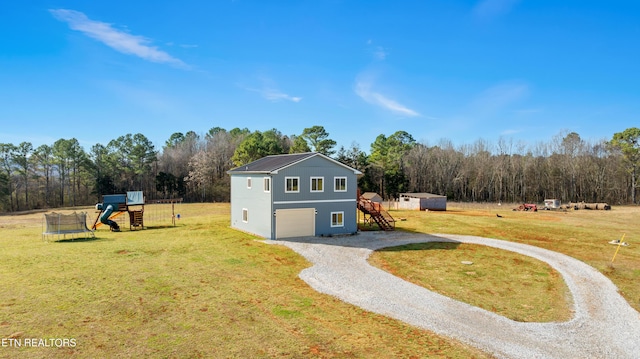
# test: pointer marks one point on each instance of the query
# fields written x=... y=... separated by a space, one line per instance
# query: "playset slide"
x=114 y=205
x=105 y=218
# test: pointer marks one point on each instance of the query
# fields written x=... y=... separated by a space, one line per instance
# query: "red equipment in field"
x=527 y=207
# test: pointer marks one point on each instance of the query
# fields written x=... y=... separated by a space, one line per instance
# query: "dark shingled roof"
x=272 y=163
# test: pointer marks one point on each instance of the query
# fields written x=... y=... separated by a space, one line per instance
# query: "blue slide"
x=104 y=218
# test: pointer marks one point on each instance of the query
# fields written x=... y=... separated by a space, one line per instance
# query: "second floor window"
x=317 y=184
x=340 y=184
x=267 y=184
x=292 y=184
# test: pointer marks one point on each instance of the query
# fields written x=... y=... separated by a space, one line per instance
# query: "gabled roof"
x=421 y=195
x=369 y=195
x=273 y=163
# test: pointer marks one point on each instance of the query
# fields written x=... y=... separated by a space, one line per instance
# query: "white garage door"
x=298 y=222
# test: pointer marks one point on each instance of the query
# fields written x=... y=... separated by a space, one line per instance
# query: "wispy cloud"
x=272 y=94
x=491 y=8
x=527 y=111
x=498 y=97
x=380 y=53
x=363 y=88
x=269 y=90
x=116 y=39
x=510 y=132
x=146 y=97
x=275 y=95
x=184 y=46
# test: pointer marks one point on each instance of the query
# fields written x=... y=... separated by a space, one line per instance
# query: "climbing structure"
x=135 y=207
x=114 y=205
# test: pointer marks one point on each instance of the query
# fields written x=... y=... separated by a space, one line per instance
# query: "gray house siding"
x=255 y=200
x=334 y=211
x=324 y=202
x=324 y=218
x=314 y=167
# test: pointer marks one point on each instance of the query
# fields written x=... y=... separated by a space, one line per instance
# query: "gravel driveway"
x=603 y=325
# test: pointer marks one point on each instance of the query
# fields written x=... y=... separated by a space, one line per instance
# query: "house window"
x=267 y=184
x=245 y=215
x=317 y=184
x=249 y=183
x=340 y=184
x=337 y=219
x=292 y=184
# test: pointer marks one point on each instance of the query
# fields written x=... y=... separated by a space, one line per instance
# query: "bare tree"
x=21 y=159
x=42 y=161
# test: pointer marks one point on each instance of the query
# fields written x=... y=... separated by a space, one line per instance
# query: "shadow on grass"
x=146 y=228
x=398 y=240
x=422 y=247
x=151 y=228
x=82 y=240
x=367 y=228
x=90 y=239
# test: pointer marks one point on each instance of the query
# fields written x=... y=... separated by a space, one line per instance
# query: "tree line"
x=194 y=167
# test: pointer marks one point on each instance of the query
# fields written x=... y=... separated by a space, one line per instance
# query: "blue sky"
x=460 y=70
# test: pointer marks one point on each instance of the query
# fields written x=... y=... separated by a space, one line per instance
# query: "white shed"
x=552 y=203
x=422 y=201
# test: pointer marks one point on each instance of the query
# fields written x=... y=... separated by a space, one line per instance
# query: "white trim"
x=313 y=154
x=321 y=184
x=345 y=184
x=266 y=184
x=285 y=184
x=315 y=201
x=341 y=224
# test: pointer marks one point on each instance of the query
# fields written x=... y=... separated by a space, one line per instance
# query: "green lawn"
x=201 y=289
x=582 y=234
x=196 y=290
x=510 y=284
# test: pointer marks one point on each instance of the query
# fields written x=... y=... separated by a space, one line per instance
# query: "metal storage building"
x=422 y=201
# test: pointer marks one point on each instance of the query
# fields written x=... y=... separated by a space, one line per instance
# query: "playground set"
x=114 y=205
x=133 y=202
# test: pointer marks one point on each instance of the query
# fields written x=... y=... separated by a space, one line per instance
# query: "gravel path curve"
x=603 y=326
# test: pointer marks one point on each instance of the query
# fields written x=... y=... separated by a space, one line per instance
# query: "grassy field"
x=201 y=289
x=197 y=290
x=510 y=284
x=582 y=234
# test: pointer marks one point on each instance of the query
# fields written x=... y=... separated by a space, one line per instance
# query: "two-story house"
x=294 y=195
